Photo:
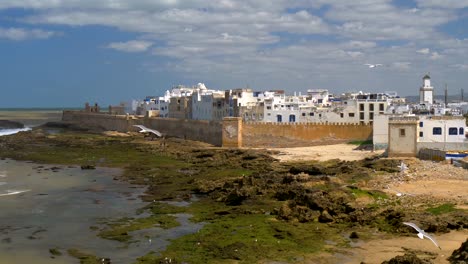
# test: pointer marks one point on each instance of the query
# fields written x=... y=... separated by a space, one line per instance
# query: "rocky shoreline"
x=295 y=209
x=7 y=124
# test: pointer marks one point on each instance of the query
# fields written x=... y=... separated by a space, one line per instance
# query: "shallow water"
x=59 y=208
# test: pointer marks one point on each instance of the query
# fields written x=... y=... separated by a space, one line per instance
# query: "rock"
x=408 y=258
x=354 y=235
x=460 y=255
x=325 y=217
x=88 y=167
x=7 y=124
x=235 y=197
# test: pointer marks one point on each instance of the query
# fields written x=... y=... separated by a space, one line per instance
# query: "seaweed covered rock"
x=407 y=258
x=460 y=255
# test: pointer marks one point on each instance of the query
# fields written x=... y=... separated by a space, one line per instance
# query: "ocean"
x=29 y=117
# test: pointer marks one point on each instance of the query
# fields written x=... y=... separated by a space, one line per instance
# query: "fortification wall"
x=199 y=130
x=205 y=131
x=234 y=133
x=305 y=131
x=121 y=123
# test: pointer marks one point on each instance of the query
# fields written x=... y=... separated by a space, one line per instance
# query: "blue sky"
x=57 y=53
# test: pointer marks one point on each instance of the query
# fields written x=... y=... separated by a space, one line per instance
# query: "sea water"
x=5 y=132
x=46 y=207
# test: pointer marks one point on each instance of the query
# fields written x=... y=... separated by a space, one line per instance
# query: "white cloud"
x=424 y=51
x=435 y=56
x=130 y=46
x=237 y=39
x=24 y=34
x=451 y=4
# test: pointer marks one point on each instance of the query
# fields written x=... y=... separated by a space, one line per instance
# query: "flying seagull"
x=373 y=65
x=421 y=233
x=403 y=167
x=148 y=130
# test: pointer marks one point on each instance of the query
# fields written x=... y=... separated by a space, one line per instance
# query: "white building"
x=207 y=104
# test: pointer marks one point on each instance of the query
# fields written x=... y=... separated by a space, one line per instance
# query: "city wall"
x=306 y=131
x=206 y=131
x=231 y=132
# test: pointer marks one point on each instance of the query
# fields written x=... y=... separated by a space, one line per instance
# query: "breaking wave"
x=12 y=192
x=4 y=132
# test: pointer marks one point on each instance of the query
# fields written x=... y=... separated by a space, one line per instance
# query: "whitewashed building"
x=208 y=104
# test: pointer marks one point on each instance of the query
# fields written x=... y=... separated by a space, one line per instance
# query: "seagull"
x=148 y=130
x=421 y=233
x=403 y=167
x=373 y=65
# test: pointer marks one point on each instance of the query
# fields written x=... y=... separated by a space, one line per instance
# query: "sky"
x=63 y=53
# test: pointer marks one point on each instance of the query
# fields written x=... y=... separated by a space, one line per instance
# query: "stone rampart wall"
x=212 y=131
x=205 y=131
x=307 y=131
x=199 y=130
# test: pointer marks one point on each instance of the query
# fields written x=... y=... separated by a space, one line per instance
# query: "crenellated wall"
x=231 y=132
x=307 y=131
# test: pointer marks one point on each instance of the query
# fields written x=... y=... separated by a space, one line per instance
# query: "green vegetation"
x=248 y=239
x=84 y=258
x=442 y=209
x=119 y=229
x=376 y=195
x=361 y=142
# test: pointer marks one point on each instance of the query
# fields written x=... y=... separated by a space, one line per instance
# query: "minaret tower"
x=426 y=92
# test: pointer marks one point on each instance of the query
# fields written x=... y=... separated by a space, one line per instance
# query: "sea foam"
x=4 y=132
x=12 y=192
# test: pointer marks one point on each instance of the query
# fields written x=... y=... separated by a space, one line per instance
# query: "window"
x=303 y=114
x=371 y=107
x=361 y=107
x=371 y=116
x=361 y=116
x=279 y=118
x=436 y=131
x=421 y=134
x=421 y=124
x=453 y=131
x=461 y=132
x=402 y=132
x=381 y=107
x=341 y=115
x=292 y=118
x=268 y=107
x=311 y=114
x=351 y=114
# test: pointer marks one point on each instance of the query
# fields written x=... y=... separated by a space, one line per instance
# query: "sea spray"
x=4 y=132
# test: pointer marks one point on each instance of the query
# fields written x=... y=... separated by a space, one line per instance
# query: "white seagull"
x=421 y=233
x=373 y=65
x=403 y=167
x=148 y=130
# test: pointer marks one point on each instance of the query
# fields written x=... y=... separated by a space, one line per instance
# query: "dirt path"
x=323 y=153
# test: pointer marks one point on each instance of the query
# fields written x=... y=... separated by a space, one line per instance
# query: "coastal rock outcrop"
x=7 y=124
x=460 y=256
x=407 y=258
